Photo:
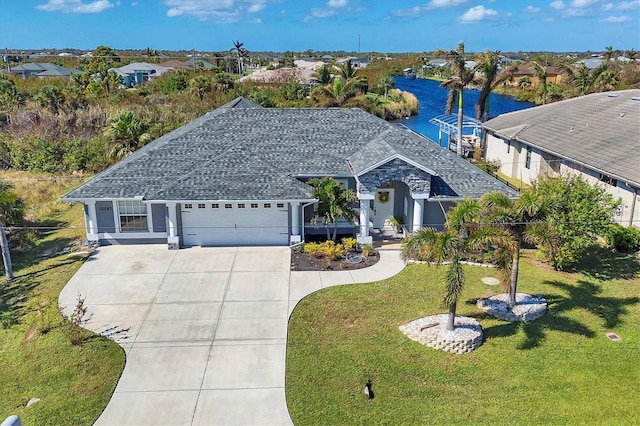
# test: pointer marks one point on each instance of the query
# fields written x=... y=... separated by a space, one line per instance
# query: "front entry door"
x=382 y=207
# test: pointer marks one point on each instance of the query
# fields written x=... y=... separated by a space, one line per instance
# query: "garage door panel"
x=231 y=226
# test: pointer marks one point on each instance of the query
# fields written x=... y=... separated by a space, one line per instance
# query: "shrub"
x=623 y=239
x=327 y=250
x=349 y=243
x=76 y=321
x=369 y=250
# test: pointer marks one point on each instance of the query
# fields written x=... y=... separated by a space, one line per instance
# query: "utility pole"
x=6 y=256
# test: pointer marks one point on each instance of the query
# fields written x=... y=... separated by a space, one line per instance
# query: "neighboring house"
x=596 y=136
x=281 y=76
x=43 y=70
x=554 y=75
x=238 y=176
x=355 y=62
x=138 y=72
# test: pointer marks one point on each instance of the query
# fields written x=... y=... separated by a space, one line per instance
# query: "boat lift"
x=448 y=124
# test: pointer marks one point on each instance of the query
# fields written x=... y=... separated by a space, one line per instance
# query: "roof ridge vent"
x=635 y=98
x=613 y=95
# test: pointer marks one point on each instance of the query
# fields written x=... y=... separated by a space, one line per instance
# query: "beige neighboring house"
x=596 y=136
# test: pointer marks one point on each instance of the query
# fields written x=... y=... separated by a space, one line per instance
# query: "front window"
x=527 y=162
x=133 y=215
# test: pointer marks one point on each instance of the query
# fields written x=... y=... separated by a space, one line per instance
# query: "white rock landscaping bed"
x=431 y=331
x=528 y=307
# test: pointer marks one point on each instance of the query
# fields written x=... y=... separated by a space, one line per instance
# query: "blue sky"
x=298 y=25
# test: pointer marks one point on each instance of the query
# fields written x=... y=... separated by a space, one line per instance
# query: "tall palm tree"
x=241 y=52
x=459 y=79
x=462 y=234
x=491 y=76
x=543 y=86
x=335 y=203
x=524 y=221
x=128 y=132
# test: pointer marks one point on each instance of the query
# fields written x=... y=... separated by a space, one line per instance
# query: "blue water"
x=433 y=100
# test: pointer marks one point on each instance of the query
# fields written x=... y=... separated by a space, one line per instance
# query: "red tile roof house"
x=238 y=176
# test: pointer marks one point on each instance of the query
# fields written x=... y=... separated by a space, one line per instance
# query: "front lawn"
x=73 y=383
x=560 y=369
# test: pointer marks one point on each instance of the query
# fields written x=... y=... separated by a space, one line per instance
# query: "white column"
x=364 y=237
x=90 y=217
x=295 y=224
x=418 y=205
x=173 y=240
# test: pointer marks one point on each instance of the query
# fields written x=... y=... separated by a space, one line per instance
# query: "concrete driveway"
x=204 y=329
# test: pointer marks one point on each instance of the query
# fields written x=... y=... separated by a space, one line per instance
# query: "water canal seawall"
x=433 y=100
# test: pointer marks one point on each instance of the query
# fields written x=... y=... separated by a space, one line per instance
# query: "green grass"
x=560 y=369
x=37 y=360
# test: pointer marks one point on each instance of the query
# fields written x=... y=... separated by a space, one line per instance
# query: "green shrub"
x=369 y=250
x=349 y=243
x=623 y=239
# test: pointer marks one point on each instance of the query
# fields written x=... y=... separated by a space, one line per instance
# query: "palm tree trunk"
x=459 y=141
x=451 y=318
x=6 y=256
x=513 y=285
x=335 y=230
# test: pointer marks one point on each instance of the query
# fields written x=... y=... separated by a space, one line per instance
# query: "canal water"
x=433 y=100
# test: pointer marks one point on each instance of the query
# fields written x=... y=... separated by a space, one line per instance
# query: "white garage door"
x=235 y=224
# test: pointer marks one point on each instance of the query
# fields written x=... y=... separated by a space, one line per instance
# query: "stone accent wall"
x=396 y=170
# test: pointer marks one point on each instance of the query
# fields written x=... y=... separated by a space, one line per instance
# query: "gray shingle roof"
x=600 y=131
x=243 y=152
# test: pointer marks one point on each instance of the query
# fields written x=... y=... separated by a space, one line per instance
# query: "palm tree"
x=583 y=79
x=524 y=221
x=385 y=84
x=323 y=74
x=543 y=85
x=489 y=67
x=462 y=234
x=240 y=53
x=608 y=54
x=335 y=203
x=128 y=133
x=460 y=78
x=337 y=94
x=347 y=71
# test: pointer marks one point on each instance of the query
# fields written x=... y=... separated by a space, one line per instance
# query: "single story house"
x=43 y=70
x=138 y=72
x=238 y=176
x=596 y=136
x=554 y=74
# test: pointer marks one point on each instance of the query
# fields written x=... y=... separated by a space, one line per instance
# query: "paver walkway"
x=204 y=329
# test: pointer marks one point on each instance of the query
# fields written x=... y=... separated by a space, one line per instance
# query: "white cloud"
x=223 y=11
x=434 y=4
x=327 y=11
x=616 y=19
x=477 y=14
x=414 y=11
x=623 y=5
x=557 y=4
x=532 y=9
x=582 y=3
x=75 y=6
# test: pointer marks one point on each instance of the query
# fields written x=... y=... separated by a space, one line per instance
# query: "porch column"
x=295 y=224
x=91 y=221
x=363 y=236
x=173 y=240
x=418 y=207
